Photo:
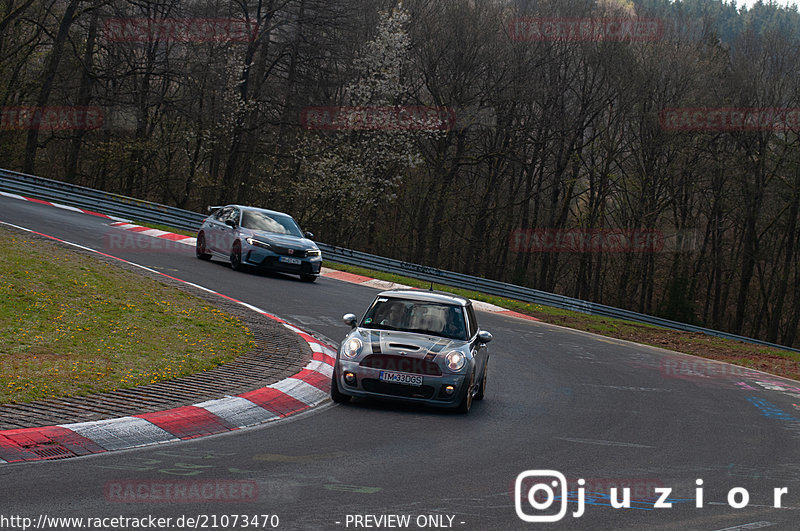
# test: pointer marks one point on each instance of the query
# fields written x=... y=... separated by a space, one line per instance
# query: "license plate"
x=401 y=378
x=287 y=260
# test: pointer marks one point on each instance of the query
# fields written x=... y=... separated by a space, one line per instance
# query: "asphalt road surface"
x=608 y=411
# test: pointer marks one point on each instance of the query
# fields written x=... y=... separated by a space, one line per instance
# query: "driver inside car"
x=393 y=317
x=455 y=323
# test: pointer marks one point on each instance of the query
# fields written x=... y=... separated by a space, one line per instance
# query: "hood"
x=408 y=343
x=284 y=240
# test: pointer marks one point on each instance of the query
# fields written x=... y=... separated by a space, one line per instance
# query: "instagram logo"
x=541 y=489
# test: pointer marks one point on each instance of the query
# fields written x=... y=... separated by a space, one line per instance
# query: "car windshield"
x=416 y=316
x=278 y=224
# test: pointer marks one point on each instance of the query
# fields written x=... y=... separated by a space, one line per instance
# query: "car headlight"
x=455 y=360
x=258 y=243
x=352 y=347
x=313 y=252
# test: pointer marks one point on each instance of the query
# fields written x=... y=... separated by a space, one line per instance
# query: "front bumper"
x=368 y=385
x=265 y=259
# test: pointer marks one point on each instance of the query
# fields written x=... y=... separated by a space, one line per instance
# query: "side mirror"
x=484 y=336
x=350 y=319
x=309 y=235
x=230 y=223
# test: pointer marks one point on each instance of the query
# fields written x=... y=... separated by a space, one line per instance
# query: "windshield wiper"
x=426 y=332
x=380 y=326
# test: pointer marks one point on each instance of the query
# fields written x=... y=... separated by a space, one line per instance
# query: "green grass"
x=72 y=325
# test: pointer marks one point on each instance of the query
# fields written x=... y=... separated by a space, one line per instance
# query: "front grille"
x=297 y=253
x=389 y=362
x=394 y=389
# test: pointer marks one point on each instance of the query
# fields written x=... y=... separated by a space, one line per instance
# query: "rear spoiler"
x=213 y=208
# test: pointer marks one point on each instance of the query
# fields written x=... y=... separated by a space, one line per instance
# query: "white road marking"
x=752 y=525
x=604 y=443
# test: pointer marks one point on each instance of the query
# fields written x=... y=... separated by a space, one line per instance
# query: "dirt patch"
x=39 y=353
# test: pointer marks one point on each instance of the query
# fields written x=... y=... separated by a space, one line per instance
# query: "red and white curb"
x=301 y=391
x=57 y=205
x=155 y=233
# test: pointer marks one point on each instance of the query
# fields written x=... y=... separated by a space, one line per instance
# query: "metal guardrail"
x=130 y=208
x=106 y=202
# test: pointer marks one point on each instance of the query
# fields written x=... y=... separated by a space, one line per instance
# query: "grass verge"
x=73 y=326
x=776 y=361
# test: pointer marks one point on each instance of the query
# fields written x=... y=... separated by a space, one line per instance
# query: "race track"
x=608 y=411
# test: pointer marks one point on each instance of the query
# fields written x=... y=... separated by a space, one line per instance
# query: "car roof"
x=426 y=296
x=265 y=210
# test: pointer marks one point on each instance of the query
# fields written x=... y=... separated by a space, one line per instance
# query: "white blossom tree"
x=355 y=162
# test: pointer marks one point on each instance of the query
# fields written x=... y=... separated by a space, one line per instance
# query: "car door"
x=213 y=230
x=479 y=350
x=228 y=233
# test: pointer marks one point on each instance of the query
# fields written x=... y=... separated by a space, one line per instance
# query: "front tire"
x=236 y=257
x=482 y=389
x=336 y=395
x=466 y=401
x=308 y=278
x=200 y=248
